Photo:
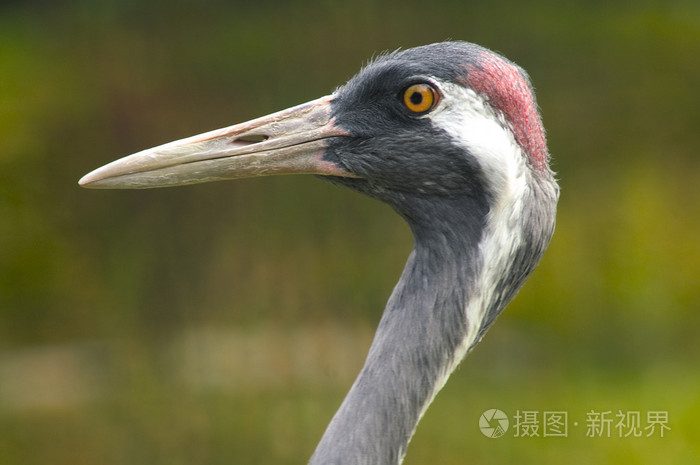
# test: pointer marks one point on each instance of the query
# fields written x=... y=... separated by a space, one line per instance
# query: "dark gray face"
x=396 y=153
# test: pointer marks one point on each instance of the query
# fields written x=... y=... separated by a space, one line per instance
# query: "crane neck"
x=422 y=336
x=471 y=255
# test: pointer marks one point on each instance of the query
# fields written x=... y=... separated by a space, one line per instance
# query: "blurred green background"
x=223 y=323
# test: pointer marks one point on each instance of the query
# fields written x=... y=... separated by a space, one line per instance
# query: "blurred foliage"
x=97 y=287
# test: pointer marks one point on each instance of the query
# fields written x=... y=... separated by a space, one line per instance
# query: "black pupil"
x=416 y=98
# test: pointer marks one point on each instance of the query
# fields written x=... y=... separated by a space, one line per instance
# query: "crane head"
x=445 y=119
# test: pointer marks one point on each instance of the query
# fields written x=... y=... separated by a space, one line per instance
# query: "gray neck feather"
x=413 y=351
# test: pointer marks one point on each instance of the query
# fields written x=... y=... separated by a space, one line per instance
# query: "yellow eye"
x=420 y=98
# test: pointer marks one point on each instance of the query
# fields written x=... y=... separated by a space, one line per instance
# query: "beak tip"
x=91 y=180
x=86 y=180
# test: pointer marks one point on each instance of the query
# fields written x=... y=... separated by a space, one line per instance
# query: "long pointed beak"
x=291 y=141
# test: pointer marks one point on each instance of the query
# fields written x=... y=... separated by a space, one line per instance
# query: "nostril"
x=250 y=139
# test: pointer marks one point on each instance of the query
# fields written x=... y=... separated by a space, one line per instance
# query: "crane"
x=449 y=135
